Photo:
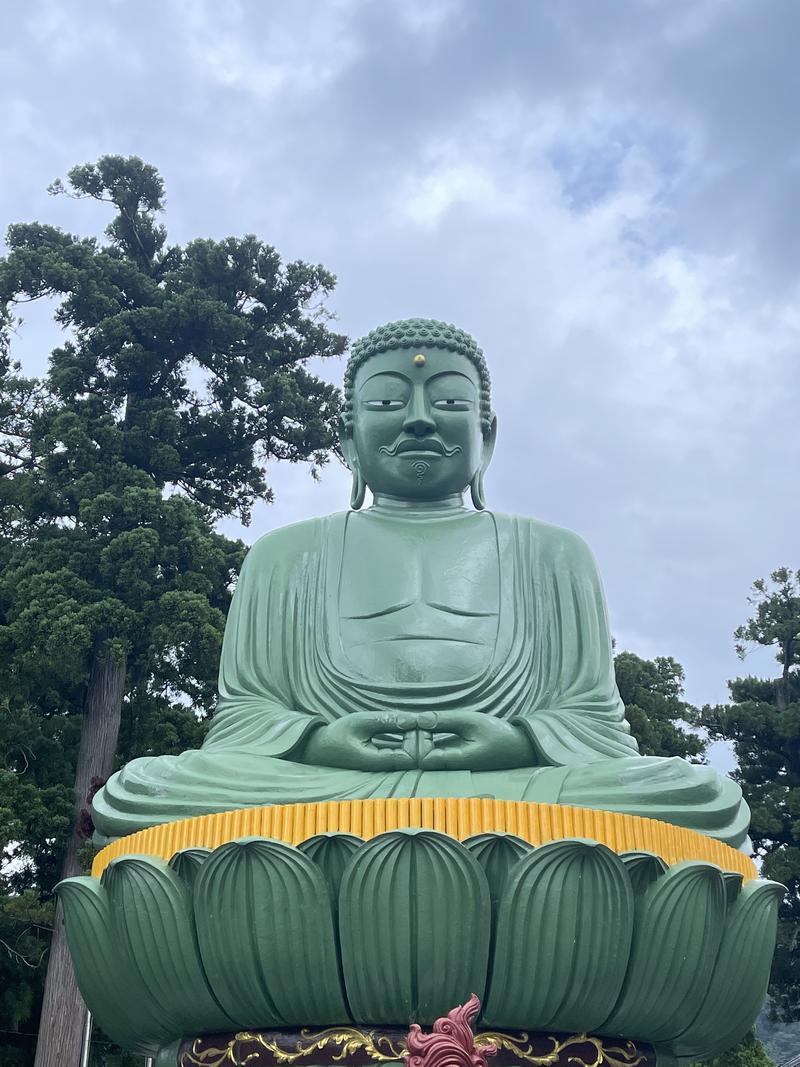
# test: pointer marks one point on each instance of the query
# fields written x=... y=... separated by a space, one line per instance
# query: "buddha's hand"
x=473 y=740
x=365 y=741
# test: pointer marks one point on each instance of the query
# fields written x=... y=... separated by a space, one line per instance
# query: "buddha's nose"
x=418 y=421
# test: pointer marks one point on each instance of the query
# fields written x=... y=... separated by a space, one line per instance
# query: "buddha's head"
x=417 y=422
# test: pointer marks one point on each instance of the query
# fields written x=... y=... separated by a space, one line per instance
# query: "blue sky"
x=604 y=194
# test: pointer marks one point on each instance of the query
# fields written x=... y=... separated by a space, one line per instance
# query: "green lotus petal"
x=498 y=854
x=152 y=912
x=740 y=979
x=643 y=869
x=414 y=921
x=112 y=989
x=188 y=862
x=331 y=852
x=265 y=927
x=732 y=881
x=563 y=935
x=679 y=923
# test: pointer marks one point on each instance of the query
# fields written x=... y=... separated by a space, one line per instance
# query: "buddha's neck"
x=384 y=504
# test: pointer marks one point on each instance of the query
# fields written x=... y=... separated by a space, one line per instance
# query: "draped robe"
x=284 y=670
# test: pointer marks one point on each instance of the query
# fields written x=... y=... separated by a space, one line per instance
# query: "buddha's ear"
x=348 y=448
x=489 y=441
x=476 y=485
x=359 y=488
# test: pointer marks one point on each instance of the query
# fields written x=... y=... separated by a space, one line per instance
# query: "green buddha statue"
x=419 y=647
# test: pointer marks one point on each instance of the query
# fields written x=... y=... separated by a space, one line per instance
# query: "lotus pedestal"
x=274 y=926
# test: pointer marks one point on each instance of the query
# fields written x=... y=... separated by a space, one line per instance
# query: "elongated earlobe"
x=358 y=491
x=476 y=485
x=476 y=491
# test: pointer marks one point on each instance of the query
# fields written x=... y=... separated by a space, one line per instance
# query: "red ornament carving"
x=451 y=1042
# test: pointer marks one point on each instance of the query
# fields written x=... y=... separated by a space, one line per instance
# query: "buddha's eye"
x=383 y=405
x=452 y=404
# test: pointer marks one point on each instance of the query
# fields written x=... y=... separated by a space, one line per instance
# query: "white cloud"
x=283 y=53
x=427 y=197
x=63 y=36
x=427 y=19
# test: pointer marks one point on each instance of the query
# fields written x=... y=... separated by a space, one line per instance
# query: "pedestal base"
x=552 y=932
x=368 y=1047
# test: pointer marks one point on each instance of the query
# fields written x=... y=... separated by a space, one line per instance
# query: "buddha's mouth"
x=426 y=446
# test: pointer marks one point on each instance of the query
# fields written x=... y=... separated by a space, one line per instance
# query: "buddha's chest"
x=419 y=601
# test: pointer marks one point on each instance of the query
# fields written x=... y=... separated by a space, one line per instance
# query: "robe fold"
x=284 y=671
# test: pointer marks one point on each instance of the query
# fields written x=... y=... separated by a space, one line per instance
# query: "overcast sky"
x=607 y=195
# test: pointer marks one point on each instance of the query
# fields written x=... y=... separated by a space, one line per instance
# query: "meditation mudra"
x=418 y=647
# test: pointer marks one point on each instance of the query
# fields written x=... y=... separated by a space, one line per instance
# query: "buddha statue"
x=419 y=647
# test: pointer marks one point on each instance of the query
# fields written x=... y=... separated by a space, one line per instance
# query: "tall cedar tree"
x=763 y=721
x=184 y=372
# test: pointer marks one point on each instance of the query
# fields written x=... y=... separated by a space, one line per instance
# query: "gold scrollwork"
x=208 y=1057
x=378 y=1047
x=521 y=1047
x=382 y=1049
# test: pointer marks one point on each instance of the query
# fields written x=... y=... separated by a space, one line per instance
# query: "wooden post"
x=87 y=1040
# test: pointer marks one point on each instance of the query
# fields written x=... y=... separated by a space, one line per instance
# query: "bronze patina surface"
x=403 y=687
x=419 y=647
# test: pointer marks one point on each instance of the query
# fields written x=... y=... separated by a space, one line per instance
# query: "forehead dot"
x=419 y=360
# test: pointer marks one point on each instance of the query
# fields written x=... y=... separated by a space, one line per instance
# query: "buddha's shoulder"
x=298 y=539
x=546 y=536
x=294 y=540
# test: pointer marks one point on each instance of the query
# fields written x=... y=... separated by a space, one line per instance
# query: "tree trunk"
x=63 y=1011
x=784 y=693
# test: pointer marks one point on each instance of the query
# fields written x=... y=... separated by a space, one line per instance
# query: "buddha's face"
x=416 y=423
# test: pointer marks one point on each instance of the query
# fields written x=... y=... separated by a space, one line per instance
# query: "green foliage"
x=182 y=373
x=775 y=623
x=652 y=691
x=25 y=927
x=106 y=1054
x=748 y=1053
x=187 y=365
x=36 y=767
x=763 y=721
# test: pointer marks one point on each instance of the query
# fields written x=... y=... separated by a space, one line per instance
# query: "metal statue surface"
x=419 y=647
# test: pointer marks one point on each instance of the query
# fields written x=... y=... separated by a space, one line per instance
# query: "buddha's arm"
x=256 y=708
x=262 y=665
x=573 y=712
